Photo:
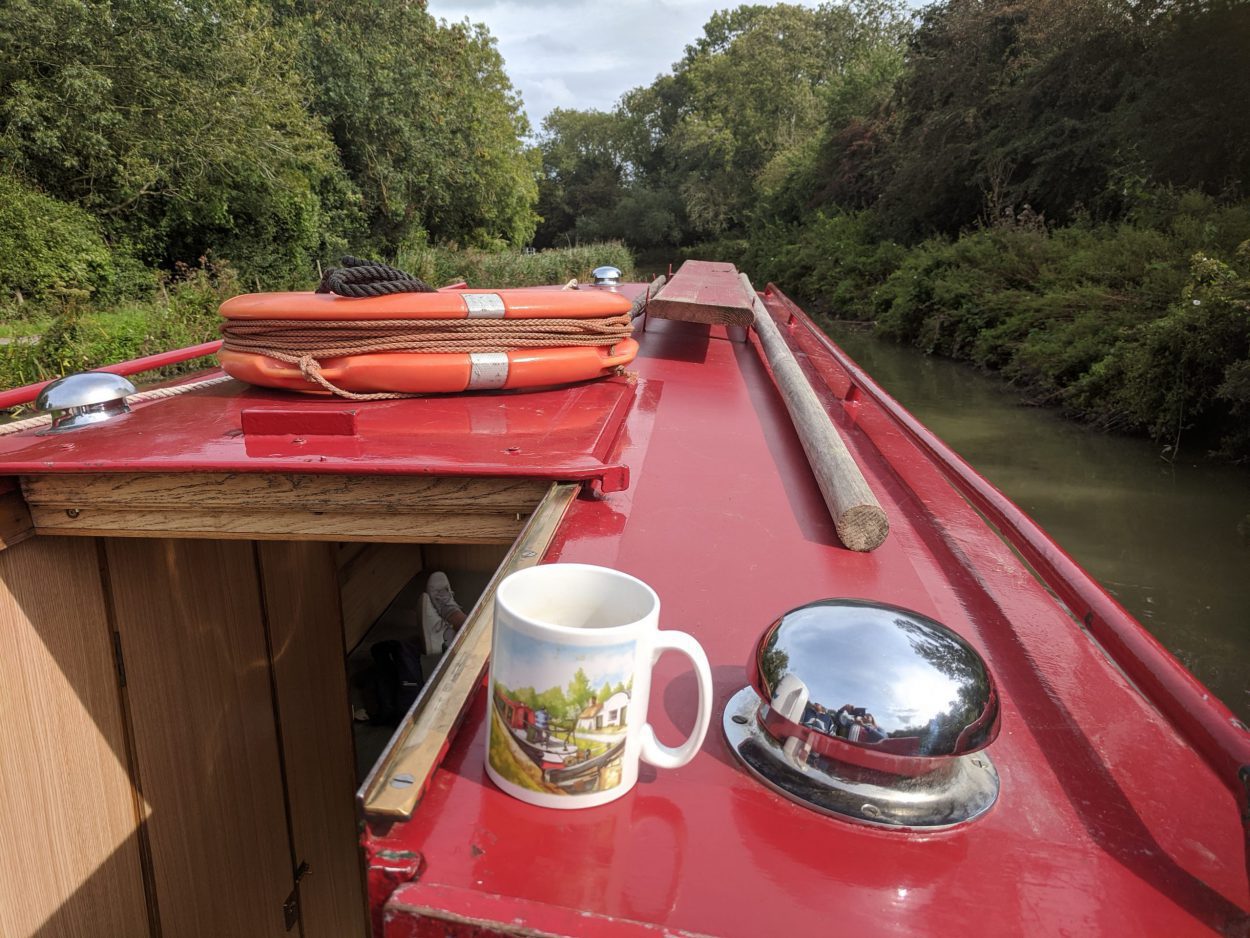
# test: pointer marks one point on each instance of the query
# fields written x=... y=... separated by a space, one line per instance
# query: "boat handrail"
x=1202 y=719
x=28 y=392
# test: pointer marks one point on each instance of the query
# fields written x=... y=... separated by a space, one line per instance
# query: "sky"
x=581 y=54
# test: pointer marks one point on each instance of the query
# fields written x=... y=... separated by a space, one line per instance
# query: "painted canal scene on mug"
x=559 y=714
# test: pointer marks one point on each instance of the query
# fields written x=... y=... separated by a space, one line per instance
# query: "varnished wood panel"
x=369 y=581
x=481 y=557
x=280 y=506
x=201 y=703
x=252 y=524
x=15 y=523
x=387 y=494
x=301 y=603
x=69 y=854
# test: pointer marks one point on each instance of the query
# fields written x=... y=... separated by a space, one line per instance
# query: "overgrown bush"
x=48 y=249
x=1100 y=319
x=1188 y=370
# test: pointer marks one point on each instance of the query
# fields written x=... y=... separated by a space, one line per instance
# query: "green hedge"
x=49 y=250
x=1139 y=326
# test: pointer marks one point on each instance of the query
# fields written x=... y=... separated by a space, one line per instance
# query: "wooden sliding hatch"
x=176 y=747
x=282 y=506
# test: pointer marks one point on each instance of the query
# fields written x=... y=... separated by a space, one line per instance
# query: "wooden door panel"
x=69 y=849
x=201 y=701
x=306 y=632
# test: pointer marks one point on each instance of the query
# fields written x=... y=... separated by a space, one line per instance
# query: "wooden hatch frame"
x=391 y=514
x=282 y=506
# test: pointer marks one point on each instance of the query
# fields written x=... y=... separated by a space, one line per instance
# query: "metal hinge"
x=290 y=908
x=121 y=662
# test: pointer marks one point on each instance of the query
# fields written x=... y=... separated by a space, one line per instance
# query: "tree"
x=583 y=170
x=729 y=137
x=425 y=120
x=180 y=126
x=579 y=692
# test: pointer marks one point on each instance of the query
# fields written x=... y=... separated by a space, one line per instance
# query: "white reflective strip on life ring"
x=484 y=305
x=487 y=370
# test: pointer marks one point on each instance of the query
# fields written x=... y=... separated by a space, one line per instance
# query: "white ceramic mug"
x=570 y=679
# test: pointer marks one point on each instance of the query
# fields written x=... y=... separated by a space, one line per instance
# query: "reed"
x=440 y=265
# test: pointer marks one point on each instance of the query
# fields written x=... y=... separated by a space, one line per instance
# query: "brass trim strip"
x=399 y=778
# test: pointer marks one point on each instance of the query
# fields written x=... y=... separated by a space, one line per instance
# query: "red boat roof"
x=1108 y=820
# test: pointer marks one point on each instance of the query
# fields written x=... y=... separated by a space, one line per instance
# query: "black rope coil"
x=368 y=278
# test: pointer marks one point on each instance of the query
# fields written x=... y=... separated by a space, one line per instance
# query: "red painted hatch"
x=1107 y=822
x=564 y=433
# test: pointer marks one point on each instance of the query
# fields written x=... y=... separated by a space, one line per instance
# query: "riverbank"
x=1141 y=326
x=1170 y=540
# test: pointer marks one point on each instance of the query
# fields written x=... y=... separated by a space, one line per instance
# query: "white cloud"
x=583 y=54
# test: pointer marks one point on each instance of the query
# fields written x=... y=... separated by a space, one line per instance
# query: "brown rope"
x=305 y=342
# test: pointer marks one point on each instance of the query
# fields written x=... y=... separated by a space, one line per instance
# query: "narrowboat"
x=222 y=715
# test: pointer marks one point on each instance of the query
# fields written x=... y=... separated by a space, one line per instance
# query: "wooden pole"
x=640 y=303
x=857 y=516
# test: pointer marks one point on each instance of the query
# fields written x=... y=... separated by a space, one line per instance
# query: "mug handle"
x=654 y=751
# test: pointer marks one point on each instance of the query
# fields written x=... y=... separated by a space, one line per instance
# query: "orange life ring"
x=437 y=372
x=406 y=372
x=442 y=304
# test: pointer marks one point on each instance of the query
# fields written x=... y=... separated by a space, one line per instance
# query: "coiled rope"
x=305 y=343
x=368 y=278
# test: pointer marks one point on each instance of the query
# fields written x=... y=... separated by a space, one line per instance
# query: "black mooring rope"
x=368 y=278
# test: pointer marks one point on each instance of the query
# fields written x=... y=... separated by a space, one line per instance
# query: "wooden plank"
x=15 y=523
x=421 y=740
x=703 y=291
x=201 y=702
x=280 y=525
x=370 y=581
x=69 y=847
x=277 y=492
x=310 y=682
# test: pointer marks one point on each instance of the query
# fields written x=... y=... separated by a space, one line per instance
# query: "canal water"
x=1171 y=541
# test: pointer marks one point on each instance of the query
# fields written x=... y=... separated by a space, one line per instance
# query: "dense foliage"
x=267 y=133
x=1049 y=188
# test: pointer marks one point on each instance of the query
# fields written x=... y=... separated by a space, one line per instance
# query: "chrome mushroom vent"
x=606 y=276
x=83 y=399
x=869 y=712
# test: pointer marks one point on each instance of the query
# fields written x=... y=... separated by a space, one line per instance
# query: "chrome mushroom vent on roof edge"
x=84 y=399
x=606 y=276
x=869 y=712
